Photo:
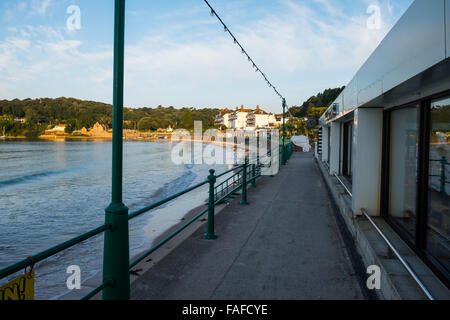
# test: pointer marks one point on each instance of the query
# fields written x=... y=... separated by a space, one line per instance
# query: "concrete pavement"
x=286 y=244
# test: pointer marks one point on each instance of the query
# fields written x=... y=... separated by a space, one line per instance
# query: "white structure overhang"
x=410 y=63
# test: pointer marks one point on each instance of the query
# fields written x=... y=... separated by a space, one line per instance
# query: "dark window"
x=347 y=162
x=416 y=179
x=329 y=144
x=438 y=209
x=403 y=151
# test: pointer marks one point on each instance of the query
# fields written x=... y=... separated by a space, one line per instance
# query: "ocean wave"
x=170 y=188
x=34 y=176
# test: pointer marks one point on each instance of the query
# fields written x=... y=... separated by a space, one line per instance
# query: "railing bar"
x=228 y=171
x=161 y=202
x=404 y=263
x=53 y=250
x=345 y=187
x=228 y=194
x=147 y=253
x=95 y=291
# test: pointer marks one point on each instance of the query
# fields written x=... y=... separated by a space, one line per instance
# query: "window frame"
x=347 y=149
x=418 y=245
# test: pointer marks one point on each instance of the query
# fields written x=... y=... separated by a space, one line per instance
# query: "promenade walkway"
x=287 y=244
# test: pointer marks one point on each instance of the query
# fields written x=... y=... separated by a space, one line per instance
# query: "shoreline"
x=224 y=143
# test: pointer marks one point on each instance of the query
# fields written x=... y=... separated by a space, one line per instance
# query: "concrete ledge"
x=396 y=283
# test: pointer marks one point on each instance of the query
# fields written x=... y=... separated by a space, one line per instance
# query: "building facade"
x=58 y=129
x=247 y=119
x=387 y=134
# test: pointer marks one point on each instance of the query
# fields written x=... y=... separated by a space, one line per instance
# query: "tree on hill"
x=321 y=100
x=6 y=121
x=187 y=122
x=41 y=113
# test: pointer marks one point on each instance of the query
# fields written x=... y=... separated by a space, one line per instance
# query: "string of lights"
x=255 y=66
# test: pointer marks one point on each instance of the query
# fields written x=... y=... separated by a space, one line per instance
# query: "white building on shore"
x=248 y=119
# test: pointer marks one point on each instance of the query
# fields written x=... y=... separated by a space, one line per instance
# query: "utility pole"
x=116 y=254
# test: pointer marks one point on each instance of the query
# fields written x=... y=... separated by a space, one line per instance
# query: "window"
x=329 y=144
x=416 y=179
x=403 y=151
x=438 y=209
x=347 y=150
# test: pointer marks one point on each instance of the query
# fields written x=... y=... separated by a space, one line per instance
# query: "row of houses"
x=247 y=119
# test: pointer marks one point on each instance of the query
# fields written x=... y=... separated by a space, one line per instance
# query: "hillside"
x=39 y=114
x=320 y=101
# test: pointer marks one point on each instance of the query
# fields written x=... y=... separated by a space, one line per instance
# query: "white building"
x=58 y=129
x=387 y=136
x=223 y=118
x=259 y=119
x=247 y=119
x=238 y=119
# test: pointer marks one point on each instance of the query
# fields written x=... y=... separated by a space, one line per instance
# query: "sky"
x=177 y=54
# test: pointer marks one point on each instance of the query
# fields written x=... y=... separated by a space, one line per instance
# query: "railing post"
x=244 y=183
x=443 y=177
x=253 y=184
x=116 y=256
x=283 y=156
x=210 y=233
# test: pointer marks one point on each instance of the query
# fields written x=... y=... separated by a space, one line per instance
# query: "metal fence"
x=442 y=175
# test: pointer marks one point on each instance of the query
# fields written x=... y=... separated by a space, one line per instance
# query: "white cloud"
x=40 y=6
x=45 y=63
x=22 y=6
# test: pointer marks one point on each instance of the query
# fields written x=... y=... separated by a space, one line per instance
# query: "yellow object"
x=21 y=288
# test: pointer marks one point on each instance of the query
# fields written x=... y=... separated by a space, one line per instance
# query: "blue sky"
x=177 y=54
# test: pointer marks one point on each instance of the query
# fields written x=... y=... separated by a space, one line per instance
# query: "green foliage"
x=187 y=121
x=41 y=113
x=440 y=114
x=321 y=100
x=314 y=107
x=149 y=123
x=316 y=113
x=6 y=122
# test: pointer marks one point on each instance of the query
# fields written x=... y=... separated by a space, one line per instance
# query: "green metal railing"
x=442 y=176
x=116 y=260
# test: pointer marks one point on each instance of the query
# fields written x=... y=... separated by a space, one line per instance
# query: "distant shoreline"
x=93 y=138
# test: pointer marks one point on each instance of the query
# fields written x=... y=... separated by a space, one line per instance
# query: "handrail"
x=52 y=251
x=404 y=263
x=161 y=202
x=96 y=290
x=342 y=183
x=150 y=251
x=228 y=171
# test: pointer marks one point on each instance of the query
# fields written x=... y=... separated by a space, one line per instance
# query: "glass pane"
x=348 y=149
x=438 y=183
x=403 y=168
